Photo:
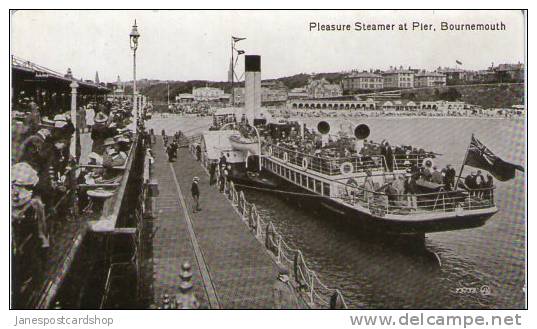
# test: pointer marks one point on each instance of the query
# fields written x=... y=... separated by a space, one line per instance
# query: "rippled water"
x=372 y=274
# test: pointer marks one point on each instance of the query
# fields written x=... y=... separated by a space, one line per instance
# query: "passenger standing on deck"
x=449 y=179
x=470 y=183
x=436 y=176
x=479 y=183
x=410 y=190
x=488 y=184
x=388 y=154
x=195 y=194
x=368 y=186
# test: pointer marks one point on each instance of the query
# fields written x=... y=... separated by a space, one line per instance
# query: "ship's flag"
x=235 y=39
x=458 y=62
x=240 y=52
x=480 y=156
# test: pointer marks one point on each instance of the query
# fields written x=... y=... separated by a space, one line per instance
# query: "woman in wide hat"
x=101 y=132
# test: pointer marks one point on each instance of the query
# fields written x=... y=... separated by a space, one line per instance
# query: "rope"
x=272 y=238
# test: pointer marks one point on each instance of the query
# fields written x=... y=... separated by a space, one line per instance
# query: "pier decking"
x=231 y=269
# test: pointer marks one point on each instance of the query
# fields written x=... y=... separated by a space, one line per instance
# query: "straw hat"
x=23 y=174
x=109 y=141
x=100 y=193
x=100 y=118
x=196 y=179
x=60 y=121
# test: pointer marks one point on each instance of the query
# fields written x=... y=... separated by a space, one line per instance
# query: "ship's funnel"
x=252 y=90
x=323 y=127
x=361 y=131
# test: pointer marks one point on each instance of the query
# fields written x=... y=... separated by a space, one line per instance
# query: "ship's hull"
x=368 y=223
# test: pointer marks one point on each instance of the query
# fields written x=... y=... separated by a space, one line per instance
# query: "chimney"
x=252 y=90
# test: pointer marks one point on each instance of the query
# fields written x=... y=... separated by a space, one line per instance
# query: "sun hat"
x=60 y=121
x=23 y=174
x=100 y=193
x=109 y=141
x=100 y=117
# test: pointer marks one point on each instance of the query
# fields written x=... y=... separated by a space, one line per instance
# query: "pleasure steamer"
x=338 y=183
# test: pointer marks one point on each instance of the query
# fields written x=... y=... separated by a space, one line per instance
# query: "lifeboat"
x=240 y=143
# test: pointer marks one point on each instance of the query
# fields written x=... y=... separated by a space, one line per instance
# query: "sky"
x=195 y=45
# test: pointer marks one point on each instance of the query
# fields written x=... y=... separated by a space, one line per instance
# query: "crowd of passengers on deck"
x=368 y=154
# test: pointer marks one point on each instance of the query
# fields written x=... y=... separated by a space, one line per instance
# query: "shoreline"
x=407 y=117
x=159 y=116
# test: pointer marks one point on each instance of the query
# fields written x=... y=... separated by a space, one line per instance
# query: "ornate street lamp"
x=134 y=45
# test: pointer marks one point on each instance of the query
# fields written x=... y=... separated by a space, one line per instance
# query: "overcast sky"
x=186 y=45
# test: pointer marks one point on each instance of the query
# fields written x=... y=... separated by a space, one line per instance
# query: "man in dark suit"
x=449 y=178
x=411 y=190
x=195 y=194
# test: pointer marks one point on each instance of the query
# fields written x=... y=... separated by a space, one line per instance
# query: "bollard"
x=185 y=299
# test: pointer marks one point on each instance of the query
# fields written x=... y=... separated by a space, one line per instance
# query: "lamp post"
x=134 y=45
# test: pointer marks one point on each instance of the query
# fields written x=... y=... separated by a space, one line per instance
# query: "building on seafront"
x=297 y=93
x=399 y=78
x=206 y=94
x=272 y=92
x=358 y=81
x=184 y=98
x=510 y=72
x=391 y=106
x=321 y=88
x=457 y=75
x=429 y=79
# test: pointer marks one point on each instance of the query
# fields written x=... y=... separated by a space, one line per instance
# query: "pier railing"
x=305 y=281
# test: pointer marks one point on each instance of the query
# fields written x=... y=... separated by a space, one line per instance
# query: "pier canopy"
x=30 y=80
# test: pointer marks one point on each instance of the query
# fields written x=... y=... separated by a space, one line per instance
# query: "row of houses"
x=401 y=78
x=395 y=78
x=275 y=92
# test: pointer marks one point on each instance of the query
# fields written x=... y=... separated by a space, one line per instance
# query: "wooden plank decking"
x=231 y=269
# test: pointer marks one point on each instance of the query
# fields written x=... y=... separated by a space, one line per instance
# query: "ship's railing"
x=305 y=281
x=405 y=161
x=326 y=165
x=380 y=203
